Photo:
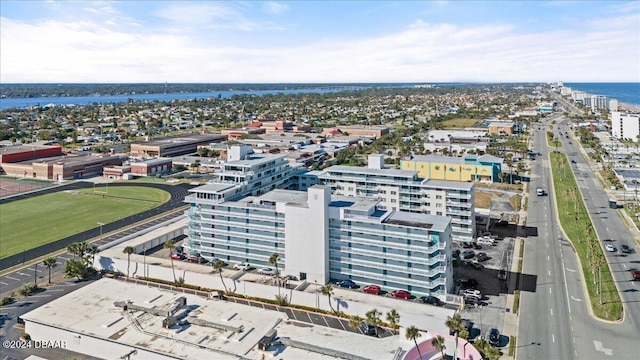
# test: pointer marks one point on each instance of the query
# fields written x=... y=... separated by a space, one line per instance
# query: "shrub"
x=6 y=300
x=28 y=289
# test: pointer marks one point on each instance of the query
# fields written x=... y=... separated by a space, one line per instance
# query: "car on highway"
x=625 y=249
x=177 y=256
x=400 y=294
x=242 y=266
x=346 y=284
x=468 y=254
x=266 y=271
x=432 y=300
x=494 y=337
x=635 y=274
x=609 y=248
x=372 y=289
x=573 y=161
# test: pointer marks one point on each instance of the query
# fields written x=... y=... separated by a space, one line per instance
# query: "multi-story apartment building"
x=321 y=237
x=403 y=190
x=468 y=168
x=625 y=125
x=246 y=173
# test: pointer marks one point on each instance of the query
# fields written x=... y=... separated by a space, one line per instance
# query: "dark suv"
x=494 y=337
x=367 y=328
x=625 y=249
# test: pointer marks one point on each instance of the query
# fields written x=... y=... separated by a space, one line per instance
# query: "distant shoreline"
x=628 y=108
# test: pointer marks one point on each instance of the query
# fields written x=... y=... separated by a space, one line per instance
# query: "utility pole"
x=35 y=275
x=101 y=224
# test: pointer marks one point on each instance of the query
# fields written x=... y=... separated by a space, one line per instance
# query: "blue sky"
x=319 y=41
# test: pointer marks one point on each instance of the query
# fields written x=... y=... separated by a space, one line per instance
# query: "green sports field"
x=25 y=224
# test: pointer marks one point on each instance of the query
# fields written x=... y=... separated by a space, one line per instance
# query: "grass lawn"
x=458 y=123
x=577 y=225
x=29 y=223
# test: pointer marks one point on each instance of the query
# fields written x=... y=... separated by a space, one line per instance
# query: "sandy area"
x=626 y=107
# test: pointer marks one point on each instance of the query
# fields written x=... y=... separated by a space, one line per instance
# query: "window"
x=393 y=192
x=438 y=197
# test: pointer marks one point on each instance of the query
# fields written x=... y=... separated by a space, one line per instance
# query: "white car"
x=242 y=266
x=266 y=271
x=610 y=248
x=471 y=292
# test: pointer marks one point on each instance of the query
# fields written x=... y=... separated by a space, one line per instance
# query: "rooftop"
x=369 y=171
x=436 y=223
x=169 y=141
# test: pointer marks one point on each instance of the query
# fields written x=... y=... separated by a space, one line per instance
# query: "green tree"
x=373 y=318
x=171 y=244
x=128 y=250
x=218 y=265
x=327 y=291
x=273 y=260
x=354 y=322
x=412 y=333
x=50 y=262
x=455 y=325
x=393 y=318
x=438 y=343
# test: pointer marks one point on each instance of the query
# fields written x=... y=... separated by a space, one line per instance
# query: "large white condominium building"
x=404 y=190
x=625 y=125
x=321 y=237
x=246 y=173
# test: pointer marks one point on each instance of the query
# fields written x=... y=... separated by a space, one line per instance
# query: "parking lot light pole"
x=317 y=295
x=144 y=261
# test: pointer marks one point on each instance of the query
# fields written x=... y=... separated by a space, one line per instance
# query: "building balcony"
x=378 y=278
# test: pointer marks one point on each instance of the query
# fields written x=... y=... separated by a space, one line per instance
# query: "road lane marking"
x=572 y=298
x=599 y=347
x=547 y=244
x=625 y=266
x=3 y=283
x=549 y=290
x=23 y=274
x=12 y=278
x=549 y=271
x=548 y=258
x=553 y=337
x=570 y=270
x=551 y=311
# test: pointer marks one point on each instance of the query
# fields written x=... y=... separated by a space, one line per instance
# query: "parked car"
x=401 y=294
x=468 y=325
x=347 y=284
x=467 y=245
x=468 y=254
x=266 y=271
x=242 y=266
x=477 y=246
x=476 y=265
x=367 y=328
x=482 y=256
x=456 y=253
x=430 y=300
x=180 y=249
x=494 y=337
x=635 y=274
x=213 y=261
x=625 y=249
x=372 y=289
x=485 y=241
x=471 y=292
x=177 y=256
x=610 y=248
x=196 y=259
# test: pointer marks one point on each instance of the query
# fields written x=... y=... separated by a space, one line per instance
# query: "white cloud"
x=85 y=51
x=273 y=7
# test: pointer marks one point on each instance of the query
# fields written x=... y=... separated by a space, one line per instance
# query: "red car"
x=401 y=294
x=635 y=274
x=372 y=289
x=177 y=256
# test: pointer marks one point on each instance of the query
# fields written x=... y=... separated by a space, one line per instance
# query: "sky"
x=318 y=41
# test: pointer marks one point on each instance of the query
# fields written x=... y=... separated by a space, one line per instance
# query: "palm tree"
x=73 y=248
x=492 y=353
x=393 y=318
x=92 y=250
x=438 y=343
x=413 y=333
x=128 y=250
x=373 y=318
x=455 y=325
x=49 y=263
x=354 y=322
x=327 y=290
x=273 y=260
x=171 y=244
x=218 y=265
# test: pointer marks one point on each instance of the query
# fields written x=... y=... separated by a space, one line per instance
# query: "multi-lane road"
x=559 y=324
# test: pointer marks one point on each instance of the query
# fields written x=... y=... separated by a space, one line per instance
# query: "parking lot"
x=489 y=312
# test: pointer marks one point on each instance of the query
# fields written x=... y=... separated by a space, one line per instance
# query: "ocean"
x=627 y=93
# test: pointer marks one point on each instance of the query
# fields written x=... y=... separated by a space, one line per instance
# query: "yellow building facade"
x=456 y=169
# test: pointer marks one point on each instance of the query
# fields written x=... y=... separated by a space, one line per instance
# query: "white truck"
x=540 y=191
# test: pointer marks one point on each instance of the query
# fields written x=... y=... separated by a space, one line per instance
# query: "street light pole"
x=317 y=296
x=35 y=275
x=144 y=259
